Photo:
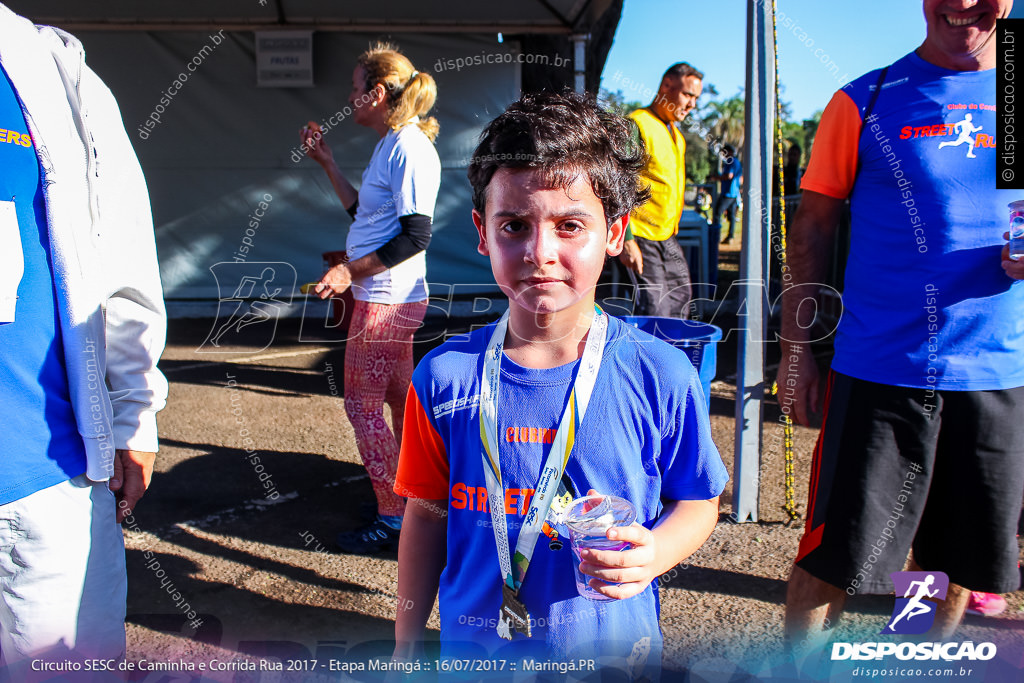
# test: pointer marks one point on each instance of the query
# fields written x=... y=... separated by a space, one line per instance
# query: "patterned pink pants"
x=378 y=368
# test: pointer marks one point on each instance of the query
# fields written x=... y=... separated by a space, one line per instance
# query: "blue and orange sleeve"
x=832 y=168
x=423 y=468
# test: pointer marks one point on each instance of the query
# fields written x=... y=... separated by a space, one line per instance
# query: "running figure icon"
x=966 y=130
x=257 y=312
x=915 y=606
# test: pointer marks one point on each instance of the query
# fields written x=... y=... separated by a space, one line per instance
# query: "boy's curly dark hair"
x=563 y=135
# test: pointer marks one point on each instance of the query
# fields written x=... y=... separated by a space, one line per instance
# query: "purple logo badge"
x=913 y=612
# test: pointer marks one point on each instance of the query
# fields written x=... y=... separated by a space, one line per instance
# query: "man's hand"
x=133 y=471
x=798 y=380
x=631 y=257
x=807 y=253
x=1014 y=269
x=633 y=570
x=334 y=282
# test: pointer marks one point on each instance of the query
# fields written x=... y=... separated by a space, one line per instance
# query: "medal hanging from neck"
x=513 y=616
x=559 y=504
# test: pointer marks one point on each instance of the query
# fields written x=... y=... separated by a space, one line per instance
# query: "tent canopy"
x=525 y=16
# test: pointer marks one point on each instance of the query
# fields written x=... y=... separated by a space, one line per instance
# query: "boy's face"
x=547 y=245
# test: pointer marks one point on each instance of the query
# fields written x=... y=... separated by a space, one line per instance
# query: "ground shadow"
x=242 y=620
x=226 y=478
x=725 y=582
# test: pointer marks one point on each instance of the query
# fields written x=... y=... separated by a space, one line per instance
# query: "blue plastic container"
x=698 y=340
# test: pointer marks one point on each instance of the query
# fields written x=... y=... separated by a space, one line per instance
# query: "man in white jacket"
x=82 y=325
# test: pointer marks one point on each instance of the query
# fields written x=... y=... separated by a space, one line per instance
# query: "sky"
x=856 y=36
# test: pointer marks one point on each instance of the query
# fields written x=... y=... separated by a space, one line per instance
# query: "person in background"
x=792 y=173
x=651 y=249
x=82 y=325
x=392 y=213
x=728 y=194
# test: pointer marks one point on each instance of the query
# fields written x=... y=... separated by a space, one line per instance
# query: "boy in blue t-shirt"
x=555 y=400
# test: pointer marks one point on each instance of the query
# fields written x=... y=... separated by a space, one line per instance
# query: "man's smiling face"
x=960 y=31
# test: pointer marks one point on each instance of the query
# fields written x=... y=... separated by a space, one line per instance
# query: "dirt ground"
x=263 y=578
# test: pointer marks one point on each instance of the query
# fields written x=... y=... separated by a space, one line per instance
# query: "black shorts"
x=664 y=286
x=941 y=472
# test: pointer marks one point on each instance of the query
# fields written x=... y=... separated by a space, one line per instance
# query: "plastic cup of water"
x=1017 y=229
x=588 y=519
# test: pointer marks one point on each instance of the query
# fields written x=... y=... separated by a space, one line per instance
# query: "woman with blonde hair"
x=386 y=267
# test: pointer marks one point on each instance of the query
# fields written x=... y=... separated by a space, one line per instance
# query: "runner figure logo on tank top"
x=964 y=128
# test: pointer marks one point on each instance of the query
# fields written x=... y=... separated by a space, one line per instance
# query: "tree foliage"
x=616 y=102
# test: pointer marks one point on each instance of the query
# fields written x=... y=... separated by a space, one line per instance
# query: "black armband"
x=413 y=239
x=352 y=209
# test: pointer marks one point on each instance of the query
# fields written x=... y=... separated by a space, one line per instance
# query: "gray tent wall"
x=223 y=144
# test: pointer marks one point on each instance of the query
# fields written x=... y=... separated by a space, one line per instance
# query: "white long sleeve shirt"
x=100 y=224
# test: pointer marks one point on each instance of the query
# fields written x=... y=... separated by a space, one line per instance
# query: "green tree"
x=725 y=119
x=810 y=127
x=616 y=102
x=699 y=158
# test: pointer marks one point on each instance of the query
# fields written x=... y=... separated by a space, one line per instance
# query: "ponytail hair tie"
x=414 y=75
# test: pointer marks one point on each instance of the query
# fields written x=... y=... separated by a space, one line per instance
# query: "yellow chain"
x=787 y=429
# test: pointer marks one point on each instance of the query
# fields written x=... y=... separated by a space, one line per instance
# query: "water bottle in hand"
x=1017 y=230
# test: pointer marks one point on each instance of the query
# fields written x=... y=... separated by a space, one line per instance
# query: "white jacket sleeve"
x=135 y=319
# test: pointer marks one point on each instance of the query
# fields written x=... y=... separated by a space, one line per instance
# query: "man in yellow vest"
x=663 y=277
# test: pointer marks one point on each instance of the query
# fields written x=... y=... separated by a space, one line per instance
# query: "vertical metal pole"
x=579 y=41
x=757 y=201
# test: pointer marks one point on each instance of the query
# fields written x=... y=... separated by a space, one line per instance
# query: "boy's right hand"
x=630 y=571
x=404 y=653
x=312 y=137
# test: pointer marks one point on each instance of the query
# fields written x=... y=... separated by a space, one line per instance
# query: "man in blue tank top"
x=917 y=451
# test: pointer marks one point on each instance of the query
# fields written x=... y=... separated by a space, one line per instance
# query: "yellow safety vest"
x=658 y=219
